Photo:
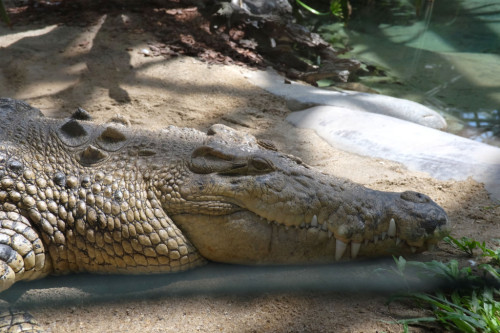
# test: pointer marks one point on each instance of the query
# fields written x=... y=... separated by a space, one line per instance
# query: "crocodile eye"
x=260 y=165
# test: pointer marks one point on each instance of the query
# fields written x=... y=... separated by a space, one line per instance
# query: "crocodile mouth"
x=388 y=241
x=240 y=222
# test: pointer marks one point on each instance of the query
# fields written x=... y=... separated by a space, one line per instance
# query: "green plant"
x=471 y=301
x=477 y=312
x=467 y=245
x=338 y=8
x=493 y=254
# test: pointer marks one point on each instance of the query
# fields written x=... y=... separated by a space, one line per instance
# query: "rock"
x=306 y=95
x=442 y=155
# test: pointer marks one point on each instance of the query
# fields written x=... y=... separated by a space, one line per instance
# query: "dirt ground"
x=109 y=70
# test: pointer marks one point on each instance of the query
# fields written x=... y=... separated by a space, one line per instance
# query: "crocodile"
x=77 y=196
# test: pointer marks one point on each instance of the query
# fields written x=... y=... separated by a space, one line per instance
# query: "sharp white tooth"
x=413 y=249
x=355 y=249
x=314 y=221
x=340 y=247
x=392 y=228
x=398 y=241
x=375 y=239
x=330 y=234
x=324 y=227
x=382 y=236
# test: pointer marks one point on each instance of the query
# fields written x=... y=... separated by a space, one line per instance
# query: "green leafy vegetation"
x=467 y=245
x=338 y=8
x=464 y=244
x=470 y=298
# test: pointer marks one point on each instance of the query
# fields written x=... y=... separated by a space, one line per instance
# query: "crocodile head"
x=240 y=201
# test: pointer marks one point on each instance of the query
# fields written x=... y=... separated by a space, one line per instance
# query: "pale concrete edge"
x=300 y=96
x=442 y=155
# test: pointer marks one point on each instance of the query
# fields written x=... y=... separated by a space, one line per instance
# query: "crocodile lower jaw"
x=245 y=225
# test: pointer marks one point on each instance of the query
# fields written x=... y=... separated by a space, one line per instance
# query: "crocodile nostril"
x=415 y=197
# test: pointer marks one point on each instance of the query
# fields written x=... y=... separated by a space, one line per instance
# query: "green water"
x=448 y=58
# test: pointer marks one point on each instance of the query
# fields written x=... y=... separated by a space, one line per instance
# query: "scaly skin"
x=78 y=196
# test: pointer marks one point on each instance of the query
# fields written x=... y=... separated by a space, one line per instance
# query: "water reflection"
x=447 y=57
x=481 y=125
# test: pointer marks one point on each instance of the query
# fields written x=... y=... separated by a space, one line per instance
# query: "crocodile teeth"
x=340 y=247
x=314 y=221
x=398 y=240
x=355 y=249
x=382 y=236
x=392 y=228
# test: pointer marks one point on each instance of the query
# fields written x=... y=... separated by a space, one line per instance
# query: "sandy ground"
x=103 y=70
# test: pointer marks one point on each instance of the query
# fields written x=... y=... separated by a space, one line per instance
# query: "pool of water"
x=447 y=57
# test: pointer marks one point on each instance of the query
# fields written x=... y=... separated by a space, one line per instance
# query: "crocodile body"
x=78 y=196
